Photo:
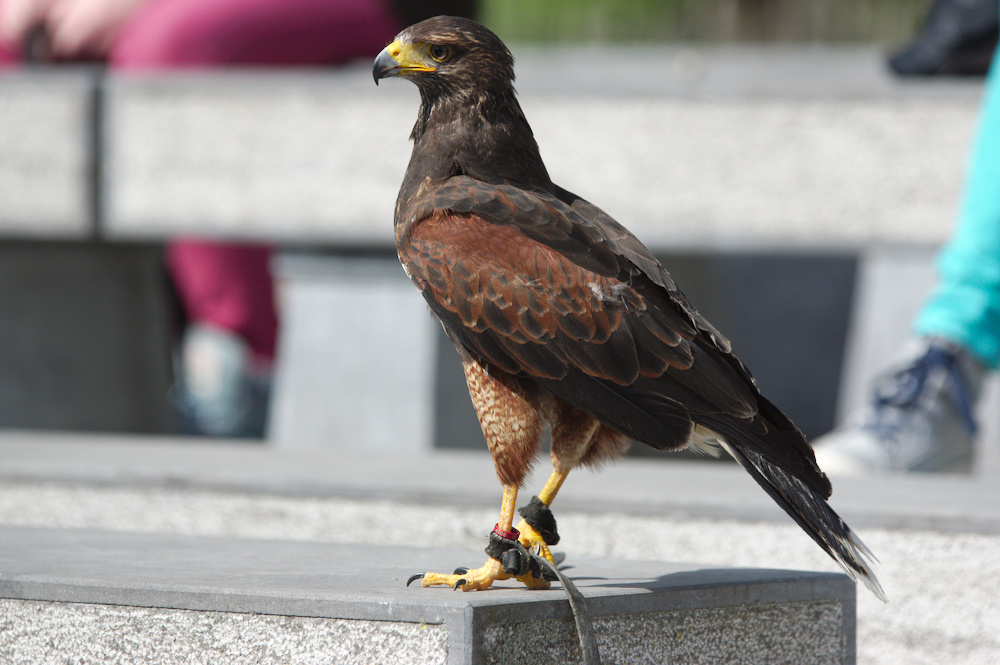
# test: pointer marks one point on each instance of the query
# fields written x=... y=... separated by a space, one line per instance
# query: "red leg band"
x=513 y=534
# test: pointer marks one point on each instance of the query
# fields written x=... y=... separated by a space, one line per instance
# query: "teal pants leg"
x=965 y=306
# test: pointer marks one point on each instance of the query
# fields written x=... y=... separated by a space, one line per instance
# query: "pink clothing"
x=227 y=286
x=211 y=33
x=8 y=57
x=215 y=33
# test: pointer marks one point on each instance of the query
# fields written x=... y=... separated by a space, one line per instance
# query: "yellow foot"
x=464 y=579
x=477 y=579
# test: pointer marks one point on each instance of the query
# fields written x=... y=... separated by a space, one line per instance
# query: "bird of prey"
x=562 y=319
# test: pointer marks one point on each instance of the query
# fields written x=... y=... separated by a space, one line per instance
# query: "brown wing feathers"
x=493 y=279
x=530 y=310
x=615 y=346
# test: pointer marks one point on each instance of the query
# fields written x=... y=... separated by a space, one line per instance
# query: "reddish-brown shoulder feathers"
x=527 y=295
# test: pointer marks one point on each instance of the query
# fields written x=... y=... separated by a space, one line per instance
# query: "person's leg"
x=965 y=306
x=226 y=290
x=9 y=58
x=921 y=415
x=226 y=353
x=229 y=287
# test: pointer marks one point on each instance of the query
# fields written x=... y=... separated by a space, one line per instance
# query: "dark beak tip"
x=384 y=66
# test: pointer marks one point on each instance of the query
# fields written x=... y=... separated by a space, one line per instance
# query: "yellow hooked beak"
x=401 y=59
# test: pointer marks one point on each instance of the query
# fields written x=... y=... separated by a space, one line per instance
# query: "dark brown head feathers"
x=469 y=122
x=478 y=58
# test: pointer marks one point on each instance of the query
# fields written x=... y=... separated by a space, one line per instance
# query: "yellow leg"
x=530 y=538
x=507 y=506
x=552 y=485
x=481 y=578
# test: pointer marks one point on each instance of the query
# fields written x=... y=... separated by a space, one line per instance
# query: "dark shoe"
x=958 y=38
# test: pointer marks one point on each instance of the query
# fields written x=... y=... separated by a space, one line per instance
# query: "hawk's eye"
x=440 y=53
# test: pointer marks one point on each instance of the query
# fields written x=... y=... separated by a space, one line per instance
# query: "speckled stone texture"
x=792 y=633
x=83 y=634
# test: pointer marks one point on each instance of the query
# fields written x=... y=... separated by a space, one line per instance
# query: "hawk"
x=562 y=319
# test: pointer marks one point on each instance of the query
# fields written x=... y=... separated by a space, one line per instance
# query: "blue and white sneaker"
x=921 y=418
x=219 y=392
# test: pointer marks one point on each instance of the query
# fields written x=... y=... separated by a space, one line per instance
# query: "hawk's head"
x=446 y=55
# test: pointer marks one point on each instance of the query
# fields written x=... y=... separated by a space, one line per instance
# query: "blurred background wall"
x=881 y=21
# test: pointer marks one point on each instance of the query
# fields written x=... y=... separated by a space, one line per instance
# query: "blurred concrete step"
x=692 y=488
x=100 y=596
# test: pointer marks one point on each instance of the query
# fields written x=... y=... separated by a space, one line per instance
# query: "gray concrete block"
x=987 y=456
x=641 y=610
x=357 y=356
x=305 y=156
x=46 y=143
x=761 y=635
x=893 y=283
x=647 y=487
x=771 y=172
x=943 y=606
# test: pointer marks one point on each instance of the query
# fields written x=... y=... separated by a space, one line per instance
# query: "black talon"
x=461 y=570
x=459 y=583
x=418 y=576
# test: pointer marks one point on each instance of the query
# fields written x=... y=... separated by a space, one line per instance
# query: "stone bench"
x=102 y=595
x=720 y=148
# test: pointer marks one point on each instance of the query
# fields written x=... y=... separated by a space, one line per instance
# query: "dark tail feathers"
x=811 y=511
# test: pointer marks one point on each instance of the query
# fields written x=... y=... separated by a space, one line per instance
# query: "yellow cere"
x=411 y=57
